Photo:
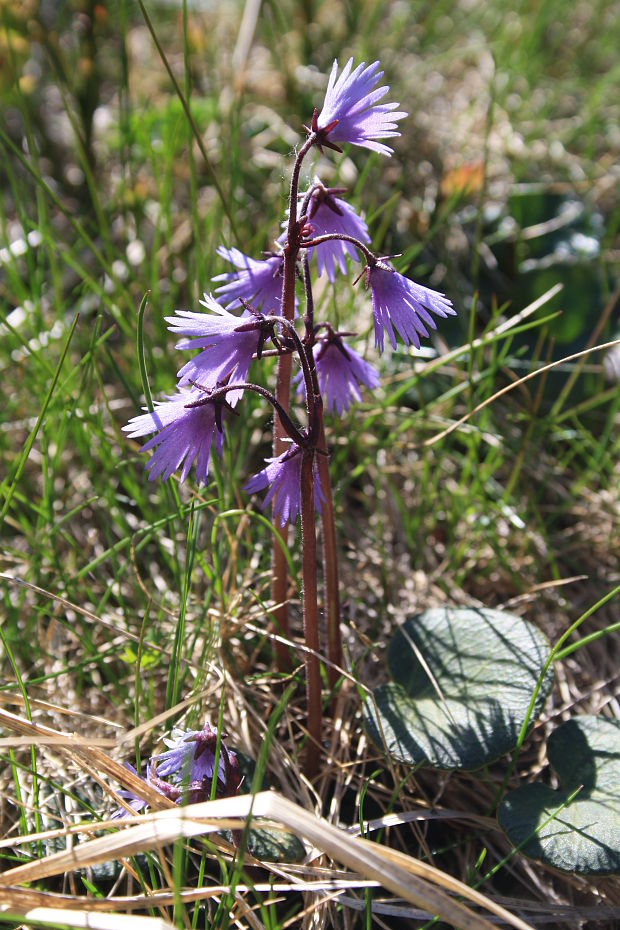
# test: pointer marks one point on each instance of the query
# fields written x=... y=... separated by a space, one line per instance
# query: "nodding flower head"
x=188 y=766
x=328 y=214
x=185 y=426
x=340 y=371
x=190 y=760
x=228 y=344
x=351 y=110
x=258 y=281
x=401 y=304
x=282 y=475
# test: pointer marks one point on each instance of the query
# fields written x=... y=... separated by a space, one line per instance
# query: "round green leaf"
x=463 y=681
x=582 y=834
x=271 y=845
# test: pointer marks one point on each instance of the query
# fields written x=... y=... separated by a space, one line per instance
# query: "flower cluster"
x=252 y=319
x=184 y=773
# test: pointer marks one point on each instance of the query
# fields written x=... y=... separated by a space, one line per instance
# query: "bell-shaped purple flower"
x=352 y=112
x=184 y=433
x=228 y=343
x=328 y=214
x=190 y=760
x=401 y=304
x=340 y=371
x=188 y=765
x=257 y=281
x=282 y=476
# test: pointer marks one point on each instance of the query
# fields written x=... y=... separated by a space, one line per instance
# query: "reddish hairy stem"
x=330 y=553
x=294 y=188
x=343 y=237
x=330 y=567
x=310 y=614
x=279 y=578
x=213 y=394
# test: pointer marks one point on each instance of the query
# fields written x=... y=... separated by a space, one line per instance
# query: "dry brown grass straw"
x=410 y=879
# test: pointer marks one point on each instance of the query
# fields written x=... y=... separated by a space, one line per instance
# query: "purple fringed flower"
x=328 y=214
x=258 y=281
x=185 y=434
x=282 y=476
x=189 y=764
x=340 y=371
x=190 y=756
x=228 y=343
x=401 y=304
x=351 y=112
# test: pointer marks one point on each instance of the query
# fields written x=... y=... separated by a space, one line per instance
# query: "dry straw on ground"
x=410 y=879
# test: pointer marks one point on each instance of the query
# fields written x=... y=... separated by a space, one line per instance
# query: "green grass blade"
x=35 y=430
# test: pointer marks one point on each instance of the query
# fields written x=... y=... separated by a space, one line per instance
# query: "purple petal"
x=259 y=282
x=340 y=372
x=351 y=100
x=184 y=435
x=401 y=304
x=190 y=757
x=227 y=352
x=331 y=255
x=282 y=476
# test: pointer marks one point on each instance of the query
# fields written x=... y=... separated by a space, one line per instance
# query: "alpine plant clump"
x=255 y=315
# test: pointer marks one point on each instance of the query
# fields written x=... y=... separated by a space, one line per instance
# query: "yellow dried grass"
x=412 y=880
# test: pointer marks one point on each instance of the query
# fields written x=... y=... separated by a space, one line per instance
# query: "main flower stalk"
x=279 y=580
x=310 y=613
x=328 y=523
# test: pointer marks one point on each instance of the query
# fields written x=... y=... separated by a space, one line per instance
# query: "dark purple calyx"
x=320 y=135
x=219 y=402
x=325 y=195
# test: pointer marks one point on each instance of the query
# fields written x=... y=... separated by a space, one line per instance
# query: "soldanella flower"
x=401 y=304
x=329 y=214
x=187 y=766
x=351 y=111
x=228 y=342
x=282 y=476
x=190 y=760
x=340 y=371
x=258 y=281
x=185 y=429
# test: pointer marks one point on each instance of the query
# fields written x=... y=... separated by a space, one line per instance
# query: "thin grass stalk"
x=514 y=384
x=12 y=482
x=310 y=615
x=191 y=121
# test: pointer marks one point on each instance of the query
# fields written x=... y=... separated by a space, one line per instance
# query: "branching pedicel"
x=319 y=224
